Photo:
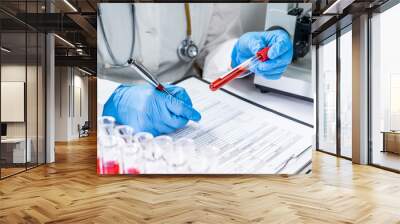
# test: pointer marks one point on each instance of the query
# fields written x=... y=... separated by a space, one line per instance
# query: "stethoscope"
x=187 y=50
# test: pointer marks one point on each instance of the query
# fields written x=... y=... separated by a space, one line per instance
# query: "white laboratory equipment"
x=297 y=79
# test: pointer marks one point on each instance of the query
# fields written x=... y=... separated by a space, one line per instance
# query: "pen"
x=146 y=75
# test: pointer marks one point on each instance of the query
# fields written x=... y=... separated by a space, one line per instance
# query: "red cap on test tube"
x=261 y=55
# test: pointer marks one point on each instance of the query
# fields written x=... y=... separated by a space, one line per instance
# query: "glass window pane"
x=385 y=87
x=32 y=88
x=41 y=99
x=13 y=87
x=346 y=93
x=31 y=96
x=327 y=97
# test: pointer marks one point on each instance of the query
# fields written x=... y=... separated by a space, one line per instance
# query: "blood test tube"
x=241 y=70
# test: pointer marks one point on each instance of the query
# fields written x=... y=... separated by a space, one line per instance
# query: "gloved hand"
x=280 y=52
x=146 y=109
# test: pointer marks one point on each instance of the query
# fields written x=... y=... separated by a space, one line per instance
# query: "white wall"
x=12 y=73
x=15 y=72
x=71 y=94
x=33 y=126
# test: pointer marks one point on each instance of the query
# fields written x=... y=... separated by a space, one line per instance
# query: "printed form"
x=250 y=139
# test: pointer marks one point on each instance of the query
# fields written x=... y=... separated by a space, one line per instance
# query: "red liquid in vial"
x=99 y=170
x=227 y=78
x=132 y=171
x=261 y=56
x=111 y=167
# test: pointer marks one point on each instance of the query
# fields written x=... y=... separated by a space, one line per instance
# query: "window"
x=385 y=89
x=327 y=96
x=22 y=88
x=346 y=92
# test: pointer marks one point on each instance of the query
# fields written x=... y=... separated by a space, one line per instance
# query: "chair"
x=84 y=130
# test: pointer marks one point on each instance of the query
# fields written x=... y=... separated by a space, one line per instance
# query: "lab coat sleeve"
x=224 y=25
x=105 y=89
x=218 y=61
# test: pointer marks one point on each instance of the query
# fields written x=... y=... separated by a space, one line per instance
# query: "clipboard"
x=193 y=84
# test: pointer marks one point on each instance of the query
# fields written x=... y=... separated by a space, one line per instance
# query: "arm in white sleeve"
x=224 y=25
x=104 y=90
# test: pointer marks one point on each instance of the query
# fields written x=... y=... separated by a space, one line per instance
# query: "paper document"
x=250 y=139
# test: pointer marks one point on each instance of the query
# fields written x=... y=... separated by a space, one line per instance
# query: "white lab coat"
x=159 y=30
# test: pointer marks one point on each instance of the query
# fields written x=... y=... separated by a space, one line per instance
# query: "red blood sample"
x=215 y=85
x=99 y=170
x=133 y=171
x=111 y=167
x=261 y=55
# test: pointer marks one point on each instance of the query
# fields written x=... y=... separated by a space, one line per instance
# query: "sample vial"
x=110 y=155
x=183 y=148
x=145 y=140
x=105 y=128
x=132 y=159
x=156 y=166
x=106 y=125
x=212 y=154
x=164 y=146
x=125 y=132
x=198 y=162
x=130 y=150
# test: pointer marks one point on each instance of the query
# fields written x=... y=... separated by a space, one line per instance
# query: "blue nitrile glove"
x=280 y=52
x=146 y=109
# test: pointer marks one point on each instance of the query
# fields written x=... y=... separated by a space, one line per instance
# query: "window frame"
x=334 y=37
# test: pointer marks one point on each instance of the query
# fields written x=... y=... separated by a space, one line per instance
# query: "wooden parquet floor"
x=70 y=191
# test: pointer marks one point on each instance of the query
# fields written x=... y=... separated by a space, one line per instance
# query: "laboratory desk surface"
x=296 y=108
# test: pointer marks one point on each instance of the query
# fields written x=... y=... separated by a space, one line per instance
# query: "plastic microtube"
x=211 y=153
x=145 y=140
x=183 y=148
x=198 y=162
x=106 y=125
x=165 y=145
x=159 y=145
x=204 y=159
x=156 y=166
x=111 y=155
x=125 y=132
x=132 y=161
x=130 y=150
